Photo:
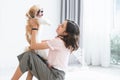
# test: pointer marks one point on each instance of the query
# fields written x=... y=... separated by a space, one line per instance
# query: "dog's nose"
x=41 y=15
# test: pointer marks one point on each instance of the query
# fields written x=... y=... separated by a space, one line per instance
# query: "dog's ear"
x=28 y=16
x=32 y=13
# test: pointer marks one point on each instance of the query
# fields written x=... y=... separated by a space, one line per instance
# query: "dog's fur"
x=30 y=15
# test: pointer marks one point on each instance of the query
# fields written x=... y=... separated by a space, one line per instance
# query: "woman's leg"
x=17 y=74
x=31 y=61
x=29 y=76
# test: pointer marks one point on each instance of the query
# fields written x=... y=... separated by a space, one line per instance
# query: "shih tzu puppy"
x=37 y=14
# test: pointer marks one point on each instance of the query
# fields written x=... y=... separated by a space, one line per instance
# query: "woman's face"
x=62 y=28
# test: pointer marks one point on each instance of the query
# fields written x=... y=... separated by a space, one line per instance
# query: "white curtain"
x=97 y=21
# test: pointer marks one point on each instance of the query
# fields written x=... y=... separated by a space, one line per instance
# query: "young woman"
x=59 y=51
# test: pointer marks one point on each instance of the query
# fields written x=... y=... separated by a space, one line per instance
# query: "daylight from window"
x=115 y=35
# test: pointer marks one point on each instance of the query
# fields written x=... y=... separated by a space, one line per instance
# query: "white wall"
x=12 y=27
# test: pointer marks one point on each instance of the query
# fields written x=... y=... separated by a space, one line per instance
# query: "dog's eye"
x=41 y=11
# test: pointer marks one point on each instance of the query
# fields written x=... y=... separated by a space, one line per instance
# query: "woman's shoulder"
x=58 y=39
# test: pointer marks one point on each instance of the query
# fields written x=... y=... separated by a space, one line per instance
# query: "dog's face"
x=34 y=12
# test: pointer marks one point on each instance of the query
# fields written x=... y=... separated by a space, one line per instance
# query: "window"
x=115 y=35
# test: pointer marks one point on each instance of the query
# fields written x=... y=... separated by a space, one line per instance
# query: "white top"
x=58 y=54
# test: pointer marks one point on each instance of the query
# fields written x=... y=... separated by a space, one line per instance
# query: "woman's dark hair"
x=72 y=39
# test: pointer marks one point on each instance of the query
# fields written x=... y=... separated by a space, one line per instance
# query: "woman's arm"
x=28 y=39
x=34 y=44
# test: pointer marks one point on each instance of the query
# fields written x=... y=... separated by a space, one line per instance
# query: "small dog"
x=34 y=12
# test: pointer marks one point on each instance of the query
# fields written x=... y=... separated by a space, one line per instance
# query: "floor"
x=93 y=73
x=78 y=73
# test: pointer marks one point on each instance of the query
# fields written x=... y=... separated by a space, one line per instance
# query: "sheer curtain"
x=97 y=21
